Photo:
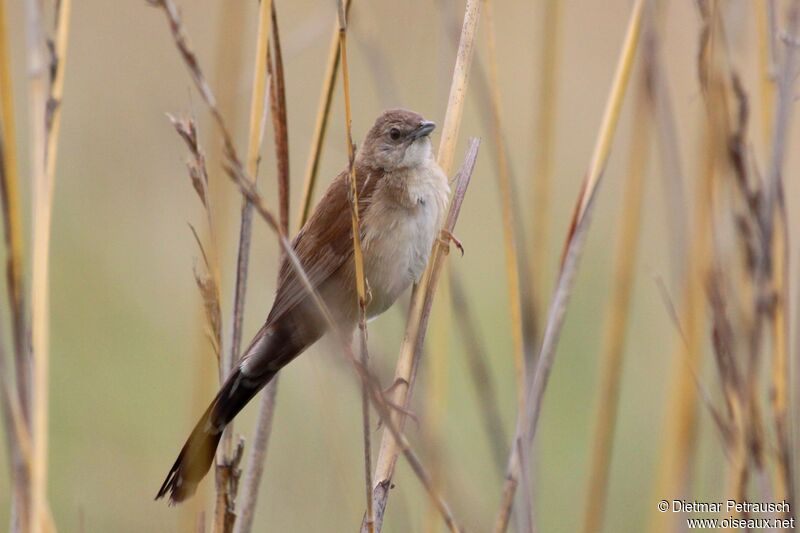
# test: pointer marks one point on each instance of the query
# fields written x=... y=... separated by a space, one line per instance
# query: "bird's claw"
x=368 y=291
x=396 y=383
x=399 y=408
x=446 y=237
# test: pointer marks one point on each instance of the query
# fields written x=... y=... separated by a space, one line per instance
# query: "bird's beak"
x=424 y=129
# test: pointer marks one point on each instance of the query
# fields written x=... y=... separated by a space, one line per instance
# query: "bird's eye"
x=394 y=133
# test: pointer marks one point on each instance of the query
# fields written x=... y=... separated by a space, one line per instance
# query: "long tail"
x=197 y=454
x=271 y=349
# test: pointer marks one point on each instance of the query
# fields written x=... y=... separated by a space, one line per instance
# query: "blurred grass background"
x=126 y=316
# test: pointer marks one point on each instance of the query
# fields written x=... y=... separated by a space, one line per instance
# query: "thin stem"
x=12 y=223
x=45 y=104
x=509 y=224
x=358 y=260
x=617 y=316
x=263 y=430
x=12 y=233
x=527 y=421
x=544 y=146
x=224 y=501
x=411 y=349
x=321 y=123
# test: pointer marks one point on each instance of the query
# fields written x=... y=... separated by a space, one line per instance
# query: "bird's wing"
x=324 y=243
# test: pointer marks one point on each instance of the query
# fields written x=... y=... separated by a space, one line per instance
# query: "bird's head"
x=399 y=139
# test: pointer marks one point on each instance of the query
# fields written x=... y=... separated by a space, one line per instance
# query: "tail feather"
x=197 y=454
x=271 y=349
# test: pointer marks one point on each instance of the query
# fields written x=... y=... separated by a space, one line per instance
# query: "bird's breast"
x=398 y=233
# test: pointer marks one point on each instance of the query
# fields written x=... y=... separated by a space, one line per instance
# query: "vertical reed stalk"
x=254 y=140
x=358 y=260
x=255 y=466
x=504 y=184
x=37 y=414
x=223 y=513
x=773 y=220
x=45 y=104
x=766 y=66
x=611 y=358
x=12 y=223
x=227 y=67
x=780 y=372
x=510 y=239
x=527 y=421
x=12 y=234
x=436 y=396
x=544 y=145
x=321 y=123
x=679 y=430
x=405 y=372
x=263 y=430
x=679 y=426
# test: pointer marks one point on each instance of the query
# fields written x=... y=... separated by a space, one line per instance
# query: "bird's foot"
x=446 y=237
x=402 y=410
x=396 y=383
x=368 y=290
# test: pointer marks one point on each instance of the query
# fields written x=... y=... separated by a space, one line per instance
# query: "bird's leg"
x=446 y=237
x=368 y=292
x=399 y=408
x=398 y=381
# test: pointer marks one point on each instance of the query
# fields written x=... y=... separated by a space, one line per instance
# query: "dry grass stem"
x=358 y=260
x=224 y=510
x=228 y=64
x=544 y=146
x=775 y=251
x=254 y=141
x=227 y=466
x=671 y=161
x=680 y=424
x=509 y=224
x=422 y=299
x=208 y=282
x=37 y=414
x=263 y=430
x=46 y=89
x=255 y=461
x=12 y=223
x=611 y=357
x=17 y=433
x=321 y=122
x=527 y=421
x=19 y=391
x=510 y=239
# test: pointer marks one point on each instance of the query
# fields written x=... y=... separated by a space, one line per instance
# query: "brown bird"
x=402 y=195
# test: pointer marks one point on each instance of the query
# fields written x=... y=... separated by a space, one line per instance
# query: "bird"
x=402 y=199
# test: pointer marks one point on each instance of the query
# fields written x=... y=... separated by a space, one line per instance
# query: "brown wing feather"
x=324 y=243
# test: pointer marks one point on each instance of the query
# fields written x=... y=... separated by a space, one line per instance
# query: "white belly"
x=398 y=238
